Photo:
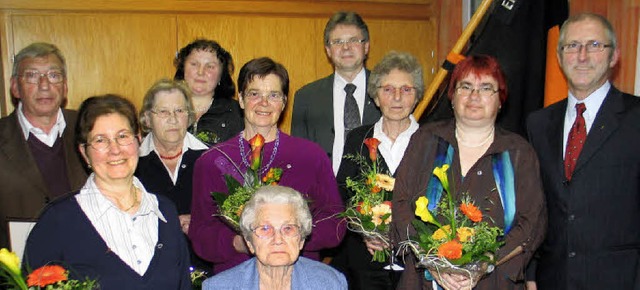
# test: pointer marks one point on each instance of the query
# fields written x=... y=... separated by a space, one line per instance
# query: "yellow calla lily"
x=422 y=210
x=441 y=173
x=10 y=261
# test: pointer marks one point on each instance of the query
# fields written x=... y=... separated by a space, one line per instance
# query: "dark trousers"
x=354 y=261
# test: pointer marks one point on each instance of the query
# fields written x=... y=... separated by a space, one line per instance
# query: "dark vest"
x=52 y=165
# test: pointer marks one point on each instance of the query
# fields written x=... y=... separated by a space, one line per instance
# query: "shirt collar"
x=361 y=78
x=27 y=127
x=592 y=102
x=148 y=203
x=190 y=142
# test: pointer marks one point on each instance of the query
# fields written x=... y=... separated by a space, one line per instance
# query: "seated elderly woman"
x=112 y=230
x=275 y=224
x=264 y=86
x=498 y=169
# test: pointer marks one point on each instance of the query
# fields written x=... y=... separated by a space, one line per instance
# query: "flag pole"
x=457 y=48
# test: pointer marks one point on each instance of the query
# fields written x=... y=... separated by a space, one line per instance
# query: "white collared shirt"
x=392 y=152
x=46 y=138
x=591 y=102
x=190 y=142
x=339 y=96
x=132 y=238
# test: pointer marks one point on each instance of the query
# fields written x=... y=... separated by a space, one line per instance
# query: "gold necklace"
x=134 y=194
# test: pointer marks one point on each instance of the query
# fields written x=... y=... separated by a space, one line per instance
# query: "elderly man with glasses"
x=37 y=151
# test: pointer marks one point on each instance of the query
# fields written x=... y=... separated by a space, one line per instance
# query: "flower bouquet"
x=49 y=277
x=231 y=204
x=369 y=209
x=463 y=245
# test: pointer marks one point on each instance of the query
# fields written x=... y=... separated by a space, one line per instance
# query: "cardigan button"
x=479 y=172
x=571 y=254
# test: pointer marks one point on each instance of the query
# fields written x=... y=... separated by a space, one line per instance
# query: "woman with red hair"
x=498 y=169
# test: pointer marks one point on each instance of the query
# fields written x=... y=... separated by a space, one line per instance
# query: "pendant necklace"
x=244 y=154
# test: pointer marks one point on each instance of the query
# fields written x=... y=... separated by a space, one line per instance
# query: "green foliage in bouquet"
x=232 y=203
x=464 y=237
x=369 y=209
x=48 y=277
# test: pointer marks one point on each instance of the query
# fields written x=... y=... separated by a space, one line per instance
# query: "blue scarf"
x=502 y=173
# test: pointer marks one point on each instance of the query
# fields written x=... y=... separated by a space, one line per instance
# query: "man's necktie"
x=351 y=111
x=577 y=136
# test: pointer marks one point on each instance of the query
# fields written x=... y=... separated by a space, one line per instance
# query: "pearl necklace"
x=482 y=143
x=244 y=154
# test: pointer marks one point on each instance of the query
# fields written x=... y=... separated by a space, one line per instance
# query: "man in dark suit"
x=38 y=156
x=319 y=108
x=590 y=165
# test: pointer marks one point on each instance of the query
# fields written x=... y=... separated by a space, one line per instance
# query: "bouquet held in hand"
x=231 y=204
x=368 y=211
x=452 y=236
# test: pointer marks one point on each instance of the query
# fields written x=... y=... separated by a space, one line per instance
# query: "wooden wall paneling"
x=297 y=43
x=287 y=40
x=6 y=42
x=624 y=16
x=419 y=38
x=105 y=53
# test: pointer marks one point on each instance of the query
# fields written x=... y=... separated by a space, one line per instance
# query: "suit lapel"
x=371 y=113
x=604 y=125
x=327 y=104
x=554 y=129
x=19 y=156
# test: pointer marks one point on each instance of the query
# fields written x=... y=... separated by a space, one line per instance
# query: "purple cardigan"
x=306 y=168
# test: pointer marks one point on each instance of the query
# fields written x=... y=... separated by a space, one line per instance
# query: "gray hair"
x=38 y=49
x=275 y=194
x=402 y=61
x=345 y=18
x=165 y=85
x=608 y=28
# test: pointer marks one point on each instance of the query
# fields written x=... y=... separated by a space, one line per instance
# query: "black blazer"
x=312 y=116
x=593 y=236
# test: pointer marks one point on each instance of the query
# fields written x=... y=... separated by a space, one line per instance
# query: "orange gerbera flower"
x=46 y=275
x=471 y=211
x=451 y=250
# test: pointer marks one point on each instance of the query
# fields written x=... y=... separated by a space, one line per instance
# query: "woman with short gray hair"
x=275 y=223
x=396 y=85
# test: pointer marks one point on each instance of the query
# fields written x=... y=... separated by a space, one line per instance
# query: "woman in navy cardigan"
x=112 y=230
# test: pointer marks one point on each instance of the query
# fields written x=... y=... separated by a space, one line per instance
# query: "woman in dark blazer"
x=396 y=86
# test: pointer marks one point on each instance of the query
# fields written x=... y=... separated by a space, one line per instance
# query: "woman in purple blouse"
x=263 y=89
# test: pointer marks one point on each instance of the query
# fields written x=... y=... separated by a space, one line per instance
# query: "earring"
x=89 y=165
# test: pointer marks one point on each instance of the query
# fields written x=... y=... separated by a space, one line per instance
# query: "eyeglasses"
x=391 y=91
x=591 y=46
x=350 y=41
x=34 y=76
x=166 y=113
x=268 y=231
x=102 y=143
x=273 y=97
x=465 y=91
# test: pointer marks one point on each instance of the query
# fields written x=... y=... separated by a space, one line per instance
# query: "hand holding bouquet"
x=369 y=209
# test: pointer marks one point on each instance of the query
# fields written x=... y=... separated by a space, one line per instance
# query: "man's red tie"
x=577 y=136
